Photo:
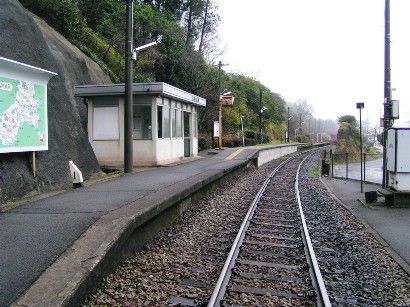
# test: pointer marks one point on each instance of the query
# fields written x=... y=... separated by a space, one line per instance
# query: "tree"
x=350 y=119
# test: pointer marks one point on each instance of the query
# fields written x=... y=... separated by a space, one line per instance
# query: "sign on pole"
x=227 y=101
x=216 y=129
x=23 y=107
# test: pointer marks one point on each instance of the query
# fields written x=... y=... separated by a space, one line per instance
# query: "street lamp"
x=221 y=96
x=360 y=106
x=287 y=132
x=130 y=54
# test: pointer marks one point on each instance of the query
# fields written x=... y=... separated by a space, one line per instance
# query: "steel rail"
x=317 y=276
x=225 y=275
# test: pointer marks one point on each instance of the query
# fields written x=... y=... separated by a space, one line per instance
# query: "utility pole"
x=387 y=122
x=128 y=102
x=287 y=138
x=260 y=115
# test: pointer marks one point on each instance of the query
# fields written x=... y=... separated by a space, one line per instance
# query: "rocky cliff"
x=28 y=39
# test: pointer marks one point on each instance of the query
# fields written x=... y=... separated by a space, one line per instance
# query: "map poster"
x=23 y=116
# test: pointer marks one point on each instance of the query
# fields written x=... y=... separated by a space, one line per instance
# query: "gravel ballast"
x=182 y=263
x=356 y=268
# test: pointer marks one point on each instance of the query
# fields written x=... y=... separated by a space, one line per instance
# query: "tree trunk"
x=189 y=24
x=201 y=43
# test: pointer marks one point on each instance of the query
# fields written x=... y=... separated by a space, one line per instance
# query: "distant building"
x=165 y=122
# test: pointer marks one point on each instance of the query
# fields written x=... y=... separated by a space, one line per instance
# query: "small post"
x=331 y=158
x=347 y=163
x=32 y=159
x=220 y=125
x=364 y=167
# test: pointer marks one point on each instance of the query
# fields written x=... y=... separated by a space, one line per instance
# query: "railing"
x=342 y=163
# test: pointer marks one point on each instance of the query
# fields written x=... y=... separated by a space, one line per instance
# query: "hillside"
x=26 y=38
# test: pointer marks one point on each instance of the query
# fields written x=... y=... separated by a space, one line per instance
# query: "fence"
x=345 y=165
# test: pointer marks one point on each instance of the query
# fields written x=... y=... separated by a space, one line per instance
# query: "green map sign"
x=23 y=116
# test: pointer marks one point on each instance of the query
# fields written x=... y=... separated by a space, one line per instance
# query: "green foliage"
x=97 y=27
x=348 y=136
x=350 y=119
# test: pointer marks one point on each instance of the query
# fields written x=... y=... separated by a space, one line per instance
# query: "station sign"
x=216 y=129
x=226 y=101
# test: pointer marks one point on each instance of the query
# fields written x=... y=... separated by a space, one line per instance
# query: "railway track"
x=272 y=261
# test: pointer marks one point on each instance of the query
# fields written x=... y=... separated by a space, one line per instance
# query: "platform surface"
x=34 y=235
x=391 y=224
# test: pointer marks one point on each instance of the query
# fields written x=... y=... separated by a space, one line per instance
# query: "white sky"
x=329 y=52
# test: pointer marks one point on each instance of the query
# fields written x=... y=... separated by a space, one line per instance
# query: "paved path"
x=391 y=224
x=34 y=235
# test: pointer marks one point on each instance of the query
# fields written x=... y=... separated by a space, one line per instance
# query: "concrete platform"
x=391 y=226
x=53 y=249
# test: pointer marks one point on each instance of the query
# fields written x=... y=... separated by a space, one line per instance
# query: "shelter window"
x=166 y=122
x=174 y=122
x=195 y=124
x=163 y=122
x=179 y=123
x=159 y=121
x=142 y=129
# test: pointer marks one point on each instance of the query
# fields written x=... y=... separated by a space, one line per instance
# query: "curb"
x=396 y=257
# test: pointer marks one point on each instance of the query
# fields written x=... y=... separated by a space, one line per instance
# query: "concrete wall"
x=270 y=154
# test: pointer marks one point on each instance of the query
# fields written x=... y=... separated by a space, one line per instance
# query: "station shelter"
x=165 y=123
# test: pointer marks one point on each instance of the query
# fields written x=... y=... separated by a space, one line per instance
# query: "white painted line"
x=234 y=154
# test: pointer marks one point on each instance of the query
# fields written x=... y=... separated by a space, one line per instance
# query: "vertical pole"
x=332 y=162
x=387 y=86
x=243 y=135
x=220 y=105
x=287 y=138
x=212 y=135
x=361 y=152
x=347 y=163
x=260 y=116
x=220 y=125
x=364 y=167
x=128 y=116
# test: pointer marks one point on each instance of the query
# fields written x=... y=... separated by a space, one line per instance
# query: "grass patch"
x=313 y=171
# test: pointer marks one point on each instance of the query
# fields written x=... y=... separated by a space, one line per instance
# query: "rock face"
x=28 y=39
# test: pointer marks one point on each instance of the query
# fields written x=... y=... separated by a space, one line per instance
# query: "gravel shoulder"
x=356 y=268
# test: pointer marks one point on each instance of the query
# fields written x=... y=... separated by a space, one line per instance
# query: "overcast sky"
x=329 y=52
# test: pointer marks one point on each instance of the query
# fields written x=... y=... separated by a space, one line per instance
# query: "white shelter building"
x=165 y=123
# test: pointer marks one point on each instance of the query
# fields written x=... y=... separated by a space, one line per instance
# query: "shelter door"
x=187 y=135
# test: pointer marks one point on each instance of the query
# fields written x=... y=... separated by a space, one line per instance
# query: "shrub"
x=204 y=142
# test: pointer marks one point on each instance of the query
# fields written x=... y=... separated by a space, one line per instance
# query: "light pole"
x=287 y=137
x=360 y=106
x=243 y=136
x=260 y=116
x=130 y=54
x=220 y=65
x=220 y=116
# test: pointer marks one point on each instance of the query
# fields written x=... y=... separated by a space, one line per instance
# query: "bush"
x=232 y=141
x=204 y=142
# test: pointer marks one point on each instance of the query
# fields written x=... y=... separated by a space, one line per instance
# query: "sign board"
x=395 y=109
x=226 y=101
x=216 y=129
x=359 y=105
x=23 y=107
